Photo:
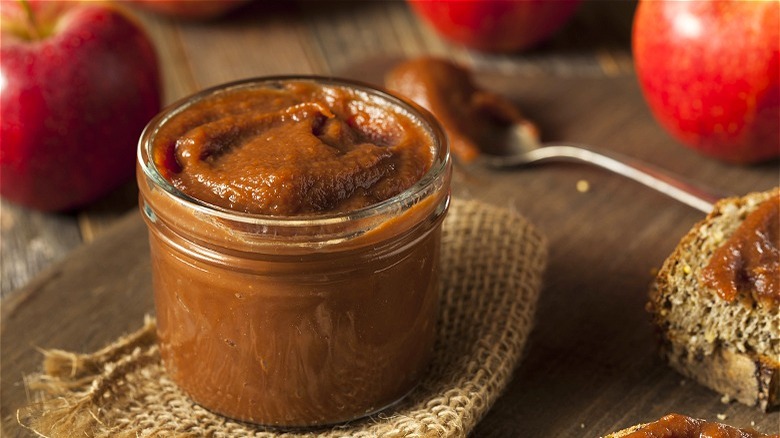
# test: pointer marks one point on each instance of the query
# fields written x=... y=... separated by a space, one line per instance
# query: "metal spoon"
x=525 y=149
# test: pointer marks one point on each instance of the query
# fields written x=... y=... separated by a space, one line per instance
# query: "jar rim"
x=415 y=193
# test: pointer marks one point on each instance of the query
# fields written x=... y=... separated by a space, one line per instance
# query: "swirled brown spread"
x=298 y=149
x=748 y=264
x=681 y=426
x=475 y=119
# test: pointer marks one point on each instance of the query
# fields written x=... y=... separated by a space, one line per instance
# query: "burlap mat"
x=492 y=262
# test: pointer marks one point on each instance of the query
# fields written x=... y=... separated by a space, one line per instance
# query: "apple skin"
x=189 y=9
x=495 y=25
x=709 y=73
x=74 y=103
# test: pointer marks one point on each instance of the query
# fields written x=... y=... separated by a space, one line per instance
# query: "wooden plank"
x=97 y=293
x=590 y=366
x=30 y=241
x=263 y=40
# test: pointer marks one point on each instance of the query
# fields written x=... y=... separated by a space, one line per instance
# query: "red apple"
x=190 y=9
x=709 y=72
x=79 y=82
x=495 y=25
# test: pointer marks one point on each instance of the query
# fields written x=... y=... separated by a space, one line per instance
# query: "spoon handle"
x=696 y=197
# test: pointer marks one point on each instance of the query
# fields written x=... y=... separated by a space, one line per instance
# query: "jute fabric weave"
x=492 y=264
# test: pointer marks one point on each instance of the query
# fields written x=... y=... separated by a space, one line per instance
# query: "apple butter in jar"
x=295 y=226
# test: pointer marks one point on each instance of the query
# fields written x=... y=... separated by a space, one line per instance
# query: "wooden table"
x=590 y=366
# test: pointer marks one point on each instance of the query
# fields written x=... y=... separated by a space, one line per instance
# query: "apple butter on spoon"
x=487 y=129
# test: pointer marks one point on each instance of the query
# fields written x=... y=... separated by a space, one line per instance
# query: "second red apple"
x=496 y=25
x=709 y=72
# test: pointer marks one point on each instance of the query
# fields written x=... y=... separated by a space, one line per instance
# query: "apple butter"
x=476 y=120
x=295 y=230
x=681 y=426
x=748 y=263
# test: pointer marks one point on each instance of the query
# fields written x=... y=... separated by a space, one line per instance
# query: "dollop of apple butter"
x=476 y=120
x=748 y=264
x=681 y=426
x=298 y=149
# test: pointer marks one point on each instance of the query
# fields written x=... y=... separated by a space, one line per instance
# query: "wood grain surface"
x=590 y=366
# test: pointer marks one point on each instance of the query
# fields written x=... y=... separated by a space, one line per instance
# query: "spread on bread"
x=681 y=426
x=748 y=264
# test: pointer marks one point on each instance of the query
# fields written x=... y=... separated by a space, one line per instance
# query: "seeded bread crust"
x=730 y=347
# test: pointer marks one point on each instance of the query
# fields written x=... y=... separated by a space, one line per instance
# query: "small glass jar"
x=299 y=320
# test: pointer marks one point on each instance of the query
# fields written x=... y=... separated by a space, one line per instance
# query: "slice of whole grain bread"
x=732 y=347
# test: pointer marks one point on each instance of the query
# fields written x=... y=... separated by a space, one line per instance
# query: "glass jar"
x=299 y=320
